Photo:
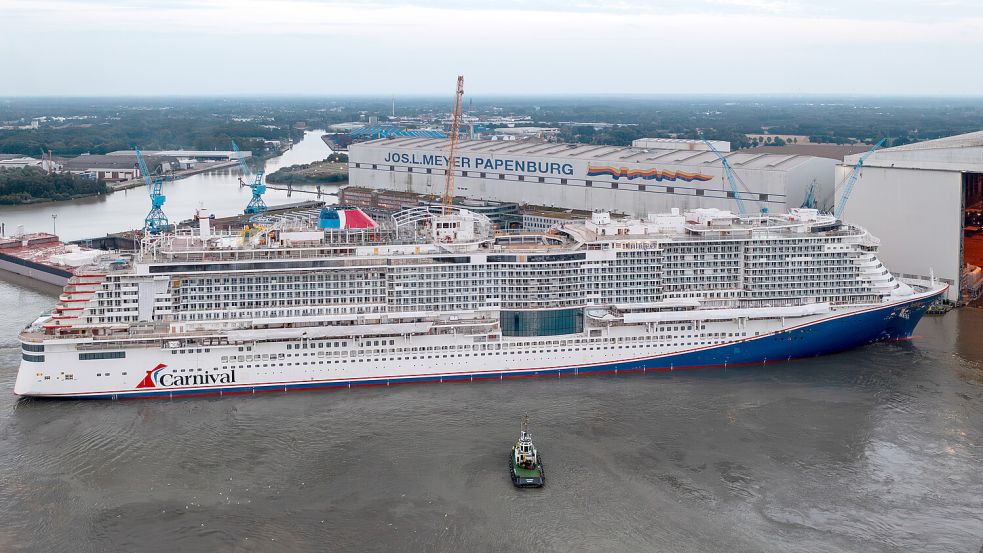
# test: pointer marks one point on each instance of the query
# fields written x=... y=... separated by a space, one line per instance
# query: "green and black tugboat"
x=525 y=463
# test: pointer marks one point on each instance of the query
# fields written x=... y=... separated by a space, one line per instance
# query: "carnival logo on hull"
x=150 y=381
x=155 y=378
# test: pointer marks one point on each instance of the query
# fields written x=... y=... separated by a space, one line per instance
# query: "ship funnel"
x=204 y=223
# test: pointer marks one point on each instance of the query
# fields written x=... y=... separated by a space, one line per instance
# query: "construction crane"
x=732 y=178
x=852 y=180
x=256 y=204
x=810 y=200
x=452 y=155
x=155 y=220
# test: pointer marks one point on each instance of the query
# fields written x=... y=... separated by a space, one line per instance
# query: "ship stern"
x=27 y=378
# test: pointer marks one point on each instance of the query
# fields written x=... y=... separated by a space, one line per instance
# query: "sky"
x=505 y=47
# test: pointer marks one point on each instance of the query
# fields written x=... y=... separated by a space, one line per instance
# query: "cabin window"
x=102 y=355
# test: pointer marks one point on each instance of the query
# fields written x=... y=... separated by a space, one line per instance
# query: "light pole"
x=54 y=229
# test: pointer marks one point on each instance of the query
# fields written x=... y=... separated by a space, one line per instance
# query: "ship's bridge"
x=452 y=229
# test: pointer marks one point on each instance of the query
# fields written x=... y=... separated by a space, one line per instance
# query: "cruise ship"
x=337 y=299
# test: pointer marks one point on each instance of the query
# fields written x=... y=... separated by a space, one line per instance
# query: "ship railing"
x=32 y=336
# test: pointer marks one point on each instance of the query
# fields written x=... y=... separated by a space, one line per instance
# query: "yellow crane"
x=452 y=155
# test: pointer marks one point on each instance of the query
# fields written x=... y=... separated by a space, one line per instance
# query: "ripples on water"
x=873 y=450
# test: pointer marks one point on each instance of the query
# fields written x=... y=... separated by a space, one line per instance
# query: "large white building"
x=588 y=177
x=913 y=198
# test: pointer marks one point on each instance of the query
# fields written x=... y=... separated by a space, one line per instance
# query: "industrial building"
x=632 y=180
x=116 y=168
x=104 y=167
x=18 y=161
x=923 y=201
x=199 y=155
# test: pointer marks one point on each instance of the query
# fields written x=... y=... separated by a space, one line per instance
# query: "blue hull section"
x=838 y=333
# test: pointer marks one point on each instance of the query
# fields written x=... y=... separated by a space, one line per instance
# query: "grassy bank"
x=333 y=170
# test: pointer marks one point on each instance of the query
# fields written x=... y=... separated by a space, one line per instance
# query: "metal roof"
x=98 y=162
x=962 y=152
x=384 y=131
x=183 y=153
x=598 y=153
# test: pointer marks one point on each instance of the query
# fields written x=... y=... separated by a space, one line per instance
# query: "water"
x=873 y=450
x=218 y=190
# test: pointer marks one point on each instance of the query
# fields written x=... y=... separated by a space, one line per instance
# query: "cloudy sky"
x=325 y=47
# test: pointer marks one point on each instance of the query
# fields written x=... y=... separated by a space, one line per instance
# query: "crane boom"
x=144 y=172
x=155 y=220
x=730 y=176
x=452 y=155
x=242 y=162
x=852 y=179
x=256 y=204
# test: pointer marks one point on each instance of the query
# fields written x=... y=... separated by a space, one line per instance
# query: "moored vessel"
x=299 y=304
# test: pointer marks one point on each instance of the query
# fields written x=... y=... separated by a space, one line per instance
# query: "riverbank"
x=318 y=172
x=32 y=185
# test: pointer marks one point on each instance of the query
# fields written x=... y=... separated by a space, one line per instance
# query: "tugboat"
x=525 y=463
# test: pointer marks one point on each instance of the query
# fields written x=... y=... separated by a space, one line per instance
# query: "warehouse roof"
x=89 y=162
x=383 y=131
x=830 y=151
x=598 y=153
x=98 y=162
x=962 y=152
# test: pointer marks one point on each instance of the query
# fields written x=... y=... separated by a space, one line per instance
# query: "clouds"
x=326 y=47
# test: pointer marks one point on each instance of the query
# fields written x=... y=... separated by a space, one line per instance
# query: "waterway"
x=878 y=450
x=218 y=191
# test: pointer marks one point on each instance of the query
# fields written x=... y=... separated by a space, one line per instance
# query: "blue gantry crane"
x=732 y=178
x=852 y=180
x=256 y=204
x=156 y=221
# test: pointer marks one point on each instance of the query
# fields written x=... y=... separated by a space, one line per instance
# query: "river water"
x=218 y=191
x=876 y=449
x=872 y=450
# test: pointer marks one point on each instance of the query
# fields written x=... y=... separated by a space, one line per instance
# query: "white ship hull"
x=80 y=369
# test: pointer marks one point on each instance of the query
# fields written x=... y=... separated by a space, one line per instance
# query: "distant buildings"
x=18 y=161
x=545 y=133
x=199 y=155
x=102 y=167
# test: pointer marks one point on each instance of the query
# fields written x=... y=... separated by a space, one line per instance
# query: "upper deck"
x=422 y=234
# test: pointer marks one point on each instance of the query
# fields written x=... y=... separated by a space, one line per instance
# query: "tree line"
x=32 y=184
